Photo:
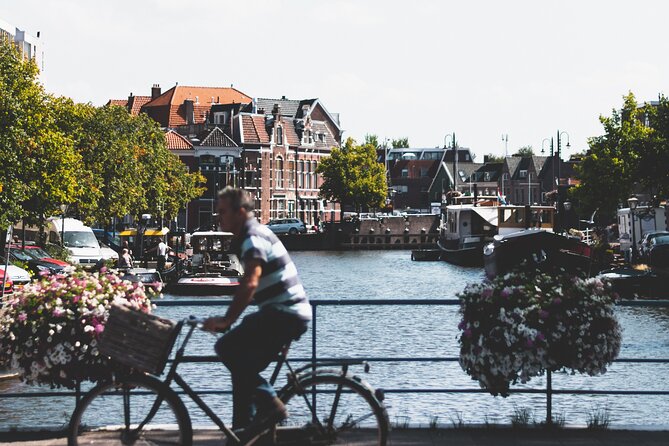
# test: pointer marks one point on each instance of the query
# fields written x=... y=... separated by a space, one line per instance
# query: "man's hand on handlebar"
x=216 y=324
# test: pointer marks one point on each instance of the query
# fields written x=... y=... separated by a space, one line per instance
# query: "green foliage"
x=625 y=153
x=524 y=151
x=372 y=140
x=400 y=143
x=352 y=176
x=102 y=162
x=492 y=158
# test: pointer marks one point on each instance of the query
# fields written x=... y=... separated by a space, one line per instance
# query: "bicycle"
x=325 y=406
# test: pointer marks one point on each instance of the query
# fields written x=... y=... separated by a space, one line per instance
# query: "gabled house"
x=282 y=152
x=270 y=147
x=184 y=105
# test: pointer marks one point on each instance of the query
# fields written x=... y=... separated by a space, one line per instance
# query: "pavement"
x=458 y=437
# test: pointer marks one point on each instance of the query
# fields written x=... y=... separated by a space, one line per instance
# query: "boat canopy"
x=156 y=232
x=128 y=233
x=489 y=214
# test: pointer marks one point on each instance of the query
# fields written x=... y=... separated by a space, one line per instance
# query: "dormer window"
x=321 y=137
x=486 y=176
x=278 y=140
x=307 y=137
x=220 y=118
x=523 y=174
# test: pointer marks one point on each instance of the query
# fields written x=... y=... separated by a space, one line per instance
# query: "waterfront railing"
x=548 y=391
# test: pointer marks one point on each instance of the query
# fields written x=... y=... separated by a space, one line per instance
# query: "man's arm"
x=241 y=300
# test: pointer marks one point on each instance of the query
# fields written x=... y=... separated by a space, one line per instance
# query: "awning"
x=156 y=232
x=128 y=233
x=489 y=214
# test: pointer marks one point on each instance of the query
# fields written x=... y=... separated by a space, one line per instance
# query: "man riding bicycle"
x=270 y=277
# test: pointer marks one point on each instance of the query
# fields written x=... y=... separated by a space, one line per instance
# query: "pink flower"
x=99 y=328
x=23 y=316
x=57 y=312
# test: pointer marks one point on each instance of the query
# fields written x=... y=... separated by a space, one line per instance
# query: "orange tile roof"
x=136 y=104
x=174 y=100
x=121 y=102
x=177 y=142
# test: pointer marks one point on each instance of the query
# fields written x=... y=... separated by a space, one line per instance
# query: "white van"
x=77 y=238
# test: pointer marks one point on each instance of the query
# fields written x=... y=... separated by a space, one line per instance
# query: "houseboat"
x=466 y=227
x=526 y=234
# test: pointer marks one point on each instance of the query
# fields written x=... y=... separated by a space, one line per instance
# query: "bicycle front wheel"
x=139 y=410
x=332 y=409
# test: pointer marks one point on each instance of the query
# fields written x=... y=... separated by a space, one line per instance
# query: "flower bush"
x=49 y=329
x=519 y=325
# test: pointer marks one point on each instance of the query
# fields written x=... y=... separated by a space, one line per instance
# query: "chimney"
x=276 y=112
x=155 y=91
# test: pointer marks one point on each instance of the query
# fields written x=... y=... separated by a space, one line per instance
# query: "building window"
x=405 y=173
x=486 y=176
x=220 y=118
x=278 y=140
x=313 y=171
x=523 y=174
x=308 y=137
x=307 y=166
x=279 y=172
x=300 y=174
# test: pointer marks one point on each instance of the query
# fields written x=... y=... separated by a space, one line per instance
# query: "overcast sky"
x=416 y=69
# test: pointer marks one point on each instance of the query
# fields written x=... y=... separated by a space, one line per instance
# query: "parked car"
x=8 y=284
x=658 y=252
x=38 y=253
x=646 y=243
x=36 y=264
x=287 y=226
x=18 y=276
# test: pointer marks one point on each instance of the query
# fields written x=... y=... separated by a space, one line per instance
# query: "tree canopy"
x=524 y=151
x=100 y=161
x=352 y=176
x=629 y=157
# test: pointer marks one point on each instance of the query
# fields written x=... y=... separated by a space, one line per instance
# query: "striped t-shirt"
x=279 y=285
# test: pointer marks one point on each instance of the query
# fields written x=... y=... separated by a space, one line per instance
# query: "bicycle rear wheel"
x=332 y=409
x=139 y=410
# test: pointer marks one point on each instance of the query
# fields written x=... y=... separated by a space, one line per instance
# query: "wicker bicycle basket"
x=138 y=340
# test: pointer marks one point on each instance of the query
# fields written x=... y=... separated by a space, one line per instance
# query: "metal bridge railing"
x=548 y=390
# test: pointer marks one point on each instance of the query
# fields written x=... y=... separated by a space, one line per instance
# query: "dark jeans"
x=247 y=350
x=160 y=264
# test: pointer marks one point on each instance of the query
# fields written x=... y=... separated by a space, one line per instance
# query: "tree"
x=492 y=158
x=524 y=151
x=400 y=143
x=352 y=176
x=372 y=140
x=39 y=168
x=612 y=165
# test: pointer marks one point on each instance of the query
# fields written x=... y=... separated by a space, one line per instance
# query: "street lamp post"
x=559 y=159
x=633 y=202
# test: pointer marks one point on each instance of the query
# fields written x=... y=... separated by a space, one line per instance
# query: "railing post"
x=549 y=398
x=313 y=358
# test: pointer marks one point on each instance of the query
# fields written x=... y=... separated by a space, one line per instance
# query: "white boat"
x=466 y=227
x=213 y=268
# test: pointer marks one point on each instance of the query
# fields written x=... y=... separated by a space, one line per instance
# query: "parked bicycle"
x=326 y=405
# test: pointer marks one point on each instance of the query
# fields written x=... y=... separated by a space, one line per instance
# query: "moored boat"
x=526 y=236
x=422 y=255
x=466 y=227
x=213 y=269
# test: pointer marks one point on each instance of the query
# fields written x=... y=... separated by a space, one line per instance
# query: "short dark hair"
x=239 y=198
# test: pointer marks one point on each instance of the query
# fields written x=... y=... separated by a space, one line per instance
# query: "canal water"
x=412 y=331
